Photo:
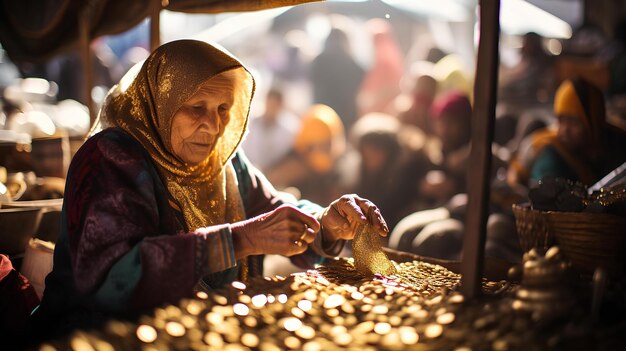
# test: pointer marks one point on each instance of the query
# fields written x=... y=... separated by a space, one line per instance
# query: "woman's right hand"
x=279 y=232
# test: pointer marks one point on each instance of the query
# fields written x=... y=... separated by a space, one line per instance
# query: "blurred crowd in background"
x=365 y=103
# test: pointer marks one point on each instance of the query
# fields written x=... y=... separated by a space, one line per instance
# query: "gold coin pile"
x=333 y=307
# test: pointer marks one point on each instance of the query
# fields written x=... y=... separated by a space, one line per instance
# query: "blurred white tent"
x=517 y=17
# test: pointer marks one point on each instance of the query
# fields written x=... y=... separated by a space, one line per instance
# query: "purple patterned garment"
x=123 y=248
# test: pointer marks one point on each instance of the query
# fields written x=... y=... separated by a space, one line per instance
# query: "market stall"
x=338 y=307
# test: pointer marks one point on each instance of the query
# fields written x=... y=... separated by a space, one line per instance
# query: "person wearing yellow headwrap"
x=321 y=138
x=161 y=202
x=317 y=147
x=576 y=148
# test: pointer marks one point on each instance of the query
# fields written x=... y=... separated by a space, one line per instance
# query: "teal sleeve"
x=550 y=164
x=310 y=207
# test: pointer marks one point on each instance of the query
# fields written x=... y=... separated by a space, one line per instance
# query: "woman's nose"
x=212 y=122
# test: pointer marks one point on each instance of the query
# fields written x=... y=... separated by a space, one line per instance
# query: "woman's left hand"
x=341 y=219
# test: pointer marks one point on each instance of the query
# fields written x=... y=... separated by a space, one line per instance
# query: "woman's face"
x=319 y=156
x=374 y=158
x=572 y=132
x=451 y=131
x=201 y=120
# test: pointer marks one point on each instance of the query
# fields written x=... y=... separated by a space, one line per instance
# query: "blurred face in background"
x=321 y=140
x=573 y=133
x=451 y=130
x=319 y=156
x=424 y=91
x=273 y=105
x=451 y=117
x=373 y=158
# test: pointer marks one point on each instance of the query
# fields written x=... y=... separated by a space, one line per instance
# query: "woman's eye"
x=198 y=109
x=223 y=108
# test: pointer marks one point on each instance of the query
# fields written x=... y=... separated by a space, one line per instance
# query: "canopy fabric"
x=218 y=6
x=35 y=30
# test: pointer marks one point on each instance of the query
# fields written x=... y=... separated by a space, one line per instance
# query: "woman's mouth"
x=203 y=144
x=200 y=145
x=203 y=141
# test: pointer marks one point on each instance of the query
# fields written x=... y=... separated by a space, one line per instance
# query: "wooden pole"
x=483 y=118
x=155 y=25
x=85 y=53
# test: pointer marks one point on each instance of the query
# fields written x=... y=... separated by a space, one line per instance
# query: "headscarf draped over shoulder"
x=143 y=105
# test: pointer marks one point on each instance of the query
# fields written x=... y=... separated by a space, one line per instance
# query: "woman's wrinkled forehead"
x=225 y=82
x=222 y=86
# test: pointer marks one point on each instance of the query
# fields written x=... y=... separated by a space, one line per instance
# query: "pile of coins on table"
x=336 y=308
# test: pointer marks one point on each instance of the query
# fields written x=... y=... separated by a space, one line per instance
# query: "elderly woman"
x=161 y=202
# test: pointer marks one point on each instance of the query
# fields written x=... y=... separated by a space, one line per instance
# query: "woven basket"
x=588 y=240
x=532 y=228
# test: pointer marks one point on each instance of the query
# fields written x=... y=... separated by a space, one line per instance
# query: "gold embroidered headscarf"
x=143 y=105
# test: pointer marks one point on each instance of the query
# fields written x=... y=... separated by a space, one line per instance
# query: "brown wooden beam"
x=86 y=58
x=478 y=179
x=155 y=25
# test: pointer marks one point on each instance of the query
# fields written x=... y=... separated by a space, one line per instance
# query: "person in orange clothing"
x=311 y=166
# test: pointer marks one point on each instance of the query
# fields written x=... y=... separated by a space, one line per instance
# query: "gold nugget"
x=367 y=250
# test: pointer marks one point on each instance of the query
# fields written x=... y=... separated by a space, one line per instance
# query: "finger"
x=296 y=227
x=378 y=222
x=374 y=215
x=296 y=215
x=335 y=220
x=288 y=246
x=349 y=209
x=309 y=236
x=305 y=219
x=302 y=232
x=295 y=248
